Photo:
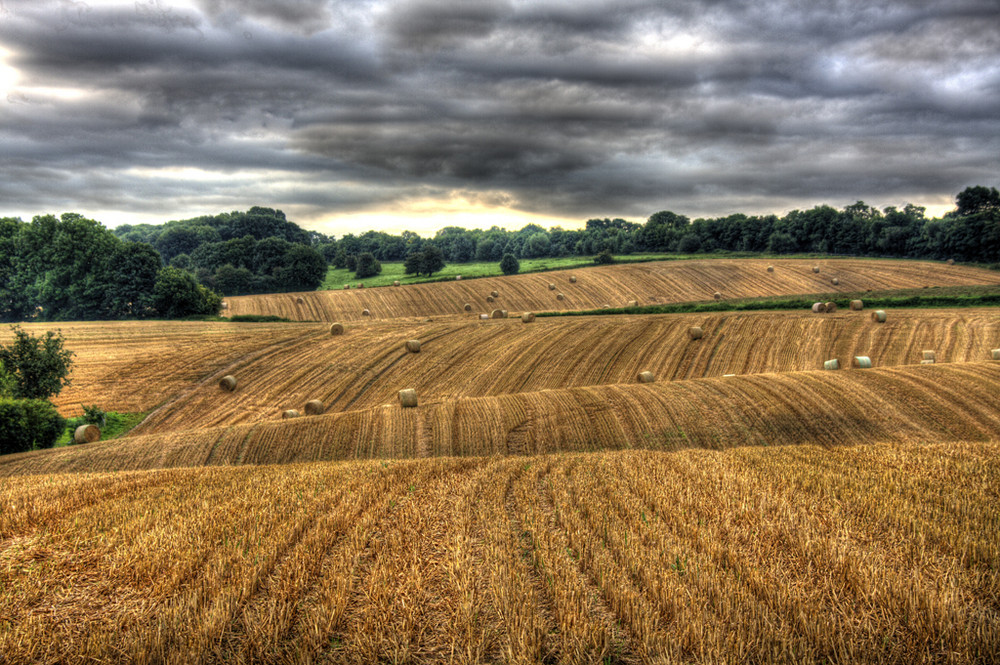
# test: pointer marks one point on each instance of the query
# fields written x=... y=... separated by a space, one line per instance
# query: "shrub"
x=510 y=265
x=27 y=424
x=367 y=266
x=604 y=258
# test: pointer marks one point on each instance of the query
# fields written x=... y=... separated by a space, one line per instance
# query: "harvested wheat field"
x=796 y=554
x=646 y=283
x=915 y=403
x=368 y=366
x=133 y=366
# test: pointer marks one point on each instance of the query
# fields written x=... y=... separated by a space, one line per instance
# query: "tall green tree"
x=35 y=367
x=509 y=264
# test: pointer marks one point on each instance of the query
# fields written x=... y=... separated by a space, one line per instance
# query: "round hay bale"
x=396 y=283
x=458 y=278
x=484 y=317
x=408 y=398
x=552 y=287
x=951 y=262
x=830 y=307
x=835 y=281
x=694 y=332
x=862 y=362
x=527 y=317
x=504 y=313
x=816 y=269
x=290 y=413
x=228 y=383
x=995 y=353
x=87 y=434
x=717 y=295
x=300 y=300
x=572 y=279
x=225 y=305
x=819 y=308
x=497 y=314
x=605 y=306
x=489 y=298
x=727 y=375
x=878 y=316
x=926 y=362
x=347 y=287
x=929 y=355
x=857 y=305
x=560 y=296
x=633 y=303
x=646 y=377
x=413 y=346
x=495 y=294
x=360 y=286
x=365 y=312
x=337 y=329
x=770 y=268
x=314 y=407
x=467 y=307
x=831 y=364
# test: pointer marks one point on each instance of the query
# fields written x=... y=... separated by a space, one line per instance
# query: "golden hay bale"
x=225 y=305
x=770 y=268
x=830 y=307
x=572 y=279
x=396 y=283
x=228 y=382
x=646 y=377
x=495 y=294
x=930 y=355
x=290 y=413
x=831 y=364
x=87 y=434
x=926 y=362
x=835 y=281
x=337 y=329
x=527 y=317
x=717 y=295
x=552 y=287
x=467 y=307
x=347 y=287
x=879 y=316
x=862 y=362
x=857 y=305
x=300 y=300
x=694 y=332
x=951 y=262
x=818 y=308
x=489 y=298
x=560 y=296
x=605 y=306
x=458 y=278
x=408 y=398
x=995 y=353
x=360 y=286
x=413 y=346
x=727 y=375
x=816 y=269
x=365 y=312
x=504 y=313
x=633 y=303
x=314 y=407
x=497 y=314
x=484 y=317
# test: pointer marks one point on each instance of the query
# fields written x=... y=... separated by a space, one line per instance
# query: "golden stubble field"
x=615 y=286
x=801 y=554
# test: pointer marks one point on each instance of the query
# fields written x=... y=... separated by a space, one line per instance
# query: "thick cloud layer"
x=565 y=108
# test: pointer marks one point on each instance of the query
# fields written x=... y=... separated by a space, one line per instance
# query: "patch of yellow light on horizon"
x=8 y=75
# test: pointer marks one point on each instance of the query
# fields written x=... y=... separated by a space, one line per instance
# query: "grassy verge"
x=115 y=425
x=956 y=296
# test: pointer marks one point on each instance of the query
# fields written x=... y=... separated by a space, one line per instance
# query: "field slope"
x=915 y=403
x=658 y=282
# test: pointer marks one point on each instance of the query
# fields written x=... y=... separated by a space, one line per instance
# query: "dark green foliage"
x=176 y=294
x=27 y=424
x=604 y=258
x=425 y=262
x=35 y=367
x=257 y=318
x=510 y=265
x=367 y=266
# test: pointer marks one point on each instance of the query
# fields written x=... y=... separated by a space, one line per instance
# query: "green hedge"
x=27 y=424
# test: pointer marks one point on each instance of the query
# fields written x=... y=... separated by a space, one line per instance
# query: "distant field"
x=885 y=554
x=614 y=286
x=915 y=403
x=393 y=271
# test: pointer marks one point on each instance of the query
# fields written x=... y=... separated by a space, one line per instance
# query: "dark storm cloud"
x=564 y=107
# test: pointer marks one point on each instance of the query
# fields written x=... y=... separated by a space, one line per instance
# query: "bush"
x=27 y=424
x=689 y=244
x=176 y=294
x=367 y=266
x=510 y=265
x=34 y=367
x=604 y=258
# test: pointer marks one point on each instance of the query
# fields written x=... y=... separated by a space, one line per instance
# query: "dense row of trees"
x=971 y=233
x=257 y=251
x=72 y=267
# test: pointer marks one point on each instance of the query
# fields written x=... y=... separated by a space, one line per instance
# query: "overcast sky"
x=393 y=114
